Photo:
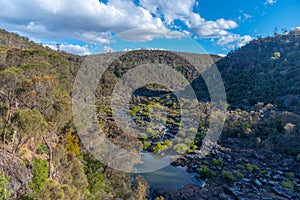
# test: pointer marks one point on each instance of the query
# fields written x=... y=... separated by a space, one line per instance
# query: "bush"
x=218 y=162
x=72 y=143
x=180 y=148
x=227 y=175
x=288 y=184
x=205 y=162
x=262 y=172
x=240 y=175
x=43 y=149
x=290 y=175
x=146 y=145
x=149 y=130
x=40 y=171
x=159 y=147
x=169 y=143
x=192 y=130
x=251 y=167
x=205 y=172
x=5 y=191
x=143 y=137
x=240 y=167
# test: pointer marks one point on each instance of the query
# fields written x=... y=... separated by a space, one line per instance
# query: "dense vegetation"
x=43 y=158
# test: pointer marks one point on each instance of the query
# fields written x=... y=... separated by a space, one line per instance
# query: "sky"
x=91 y=26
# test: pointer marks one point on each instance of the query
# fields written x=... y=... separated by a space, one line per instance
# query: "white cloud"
x=148 y=34
x=270 y=2
x=183 y=10
x=221 y=55
x=107 y=49
x=233 y=40
x=84 y=20
x=170 y=10
x=212 y=29
x=70 y=48
x=93 y=22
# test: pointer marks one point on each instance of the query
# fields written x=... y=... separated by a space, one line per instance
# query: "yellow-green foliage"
x=72 y=143
x=180 y=148
x=288 y=184
x=29 y=122
x=40 y=171
x=159 y=147
x=5 y=191
x=146 y=145
x=276 y=55
x=251 y=167
x=52 y=189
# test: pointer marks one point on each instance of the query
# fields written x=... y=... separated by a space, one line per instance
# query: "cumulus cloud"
x=71 y=48
x=170 y=10
x=233 y=40
x=75 y=18
x=270 y=2
x=148 y=34
x=183 y=10
x=93 y=22
x=107 y=49
x=212 y=29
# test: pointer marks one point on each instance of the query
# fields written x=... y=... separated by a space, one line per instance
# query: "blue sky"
x=92 y=26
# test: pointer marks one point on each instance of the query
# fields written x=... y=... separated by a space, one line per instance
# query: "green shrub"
x=149 y=130
x=240 y=167
x=205 y=162
x=143 y=137
x=146 y=145
x=192 y=130
x=227 y=176
x=159 y=147
x=180 y=148
x=251 y=167
x=5 y=191
x=204 y=171
x=169 y=143
x=262 y=172
x=288 y=184
x=40 y=171
x=43 y=149
x=155 y=135
x=290 y=175
x=240 y=175
x=218 y=162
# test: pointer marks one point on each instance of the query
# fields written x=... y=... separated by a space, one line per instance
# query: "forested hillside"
x=258 y=153
x=266 y=70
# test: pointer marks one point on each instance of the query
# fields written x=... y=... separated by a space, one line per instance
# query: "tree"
x=11 y=81
x=69 y=170
x=52 y=189
x=28 y=124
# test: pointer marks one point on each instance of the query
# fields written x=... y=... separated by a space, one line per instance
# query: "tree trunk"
x=50 y=157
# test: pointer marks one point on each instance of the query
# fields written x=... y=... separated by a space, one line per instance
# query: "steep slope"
x=266 y=70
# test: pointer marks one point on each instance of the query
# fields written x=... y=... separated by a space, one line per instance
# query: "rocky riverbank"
x=238 y=170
